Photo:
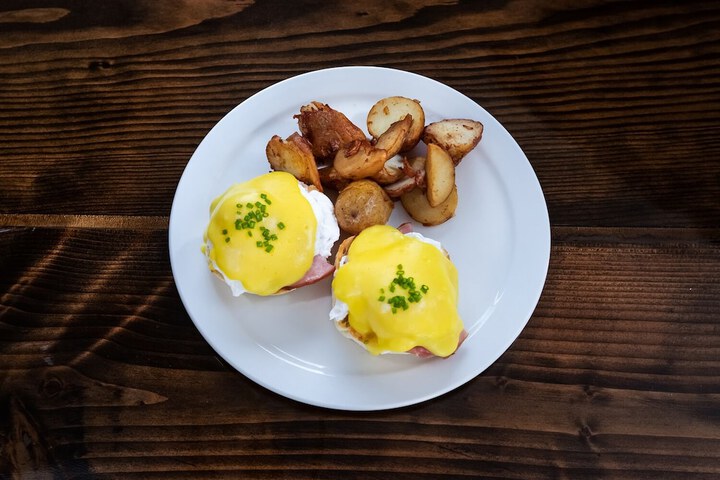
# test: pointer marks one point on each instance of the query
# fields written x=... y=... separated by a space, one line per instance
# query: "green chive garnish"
x=408 y=285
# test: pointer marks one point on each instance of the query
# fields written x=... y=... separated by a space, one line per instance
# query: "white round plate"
x=499 y=240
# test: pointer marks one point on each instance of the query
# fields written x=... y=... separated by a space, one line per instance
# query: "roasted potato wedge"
x=330 y=178
x=294 y=155
x=456 y=136
x=439 y=175
x=393 y=109
x=326 y=129
x=393 y=139
x=413 y=175
x=417 y=206
x=359 y=159
x=399 y=188
x=392 y=171
x=415 y=167
x=362 y=204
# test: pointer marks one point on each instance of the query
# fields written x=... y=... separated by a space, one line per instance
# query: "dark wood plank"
x=615 y=103
x=102 y=373
x=615 y=375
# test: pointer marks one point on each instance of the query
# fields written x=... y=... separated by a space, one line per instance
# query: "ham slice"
x=319 y=269
x=405 y=227
x=423 y=352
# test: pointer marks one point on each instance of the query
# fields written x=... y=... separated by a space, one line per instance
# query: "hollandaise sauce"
x=262 y=233
x=401 y=293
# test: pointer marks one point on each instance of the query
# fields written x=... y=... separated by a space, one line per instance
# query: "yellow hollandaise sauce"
x=262 y=233
x=401 y=293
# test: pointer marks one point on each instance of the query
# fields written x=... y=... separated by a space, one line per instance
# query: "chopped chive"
x=281 y=226
x=412 y=295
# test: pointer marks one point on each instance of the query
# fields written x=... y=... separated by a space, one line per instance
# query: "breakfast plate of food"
x=359 y=238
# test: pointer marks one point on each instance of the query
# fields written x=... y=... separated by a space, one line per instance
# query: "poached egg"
x=264 y=234
x=395 y=292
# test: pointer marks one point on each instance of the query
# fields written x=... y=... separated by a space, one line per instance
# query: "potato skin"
x=439 y=174
x=326 y=129
x=294 y=155
x=389 y=110
x=457 y=136
x=359 y=159
x=417 y=206
x=362 y=204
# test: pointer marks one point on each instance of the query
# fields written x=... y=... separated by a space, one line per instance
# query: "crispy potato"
x=417 y=206
x=330 y=178
x=293 y=155
x=326 y=129
x=392 y=109
x=413 y=175
x=456 y=136
x=439 y=175
x=399 y=188
x=392 y=171
x=359 y=159
x=362 y=204
x=415 y=167
x=393 y=138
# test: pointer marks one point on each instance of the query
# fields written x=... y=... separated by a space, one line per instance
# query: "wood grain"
x=124 y=96
x=103 y=374
x=615 y=373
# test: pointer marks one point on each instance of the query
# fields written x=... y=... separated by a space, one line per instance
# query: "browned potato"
x=417 y=206
x=362 y=204
x=393 y=138
x=293 y=155
x=326 y=129
x=392 y=109
x=359 y=159
x=456 y=136
x=439 y=175
x=415 y=167
x=330 y=178
x=392 y=171
x=413 y=176
x=399 y=188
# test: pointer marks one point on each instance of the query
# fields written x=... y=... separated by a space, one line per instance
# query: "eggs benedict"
x=270 y=235
x=397 y=292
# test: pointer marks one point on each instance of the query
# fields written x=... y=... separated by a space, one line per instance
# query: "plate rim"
x=543 y=262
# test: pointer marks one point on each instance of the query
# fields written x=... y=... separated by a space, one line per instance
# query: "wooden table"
x=104 y=375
